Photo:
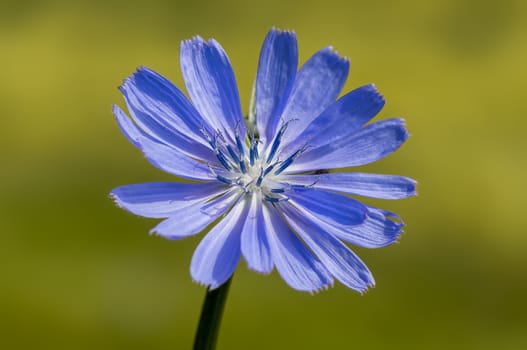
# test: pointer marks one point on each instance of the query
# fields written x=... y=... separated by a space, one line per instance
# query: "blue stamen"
x=274 y=147
x=278 y=139
x=254 y=152
x=243 y=168
x=277 y=190
x=284 y=165
x=239 y=144
x=224 y=180
x=260 y=179
x=268 y=169
x=275 y=200
x=223 y=160
x=276 y=142
x=299 y=187
x=210 y=140
x=289 y=161
x=251 y=155
x=233 y=154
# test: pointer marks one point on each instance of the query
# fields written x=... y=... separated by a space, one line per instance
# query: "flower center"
x=244 y=166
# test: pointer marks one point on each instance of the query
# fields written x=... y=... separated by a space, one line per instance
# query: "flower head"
x=263 y=185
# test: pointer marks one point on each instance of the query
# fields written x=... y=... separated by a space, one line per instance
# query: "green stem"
x=209 y=323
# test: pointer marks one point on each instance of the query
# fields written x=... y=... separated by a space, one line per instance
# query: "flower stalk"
x=210 y=320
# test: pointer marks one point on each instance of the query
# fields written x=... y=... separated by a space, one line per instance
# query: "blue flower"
x=262 y=185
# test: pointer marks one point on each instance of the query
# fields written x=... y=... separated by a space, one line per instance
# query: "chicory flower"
x=264 y=184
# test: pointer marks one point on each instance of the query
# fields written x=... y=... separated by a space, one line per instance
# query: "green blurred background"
x=79 y=273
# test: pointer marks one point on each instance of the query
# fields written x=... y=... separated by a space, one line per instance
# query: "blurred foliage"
x=79 y=273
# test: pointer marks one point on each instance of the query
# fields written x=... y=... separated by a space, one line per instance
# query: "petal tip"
x=211 y=285
x=334 y=55
x=259 y=270
x=200 y=283
x=115 y=198
x=412 y=187
x=362 y=291
x=118 y=113
x=322 y=288
x=196 y=40
x=375 y=92
x=285 y=32
x=401 y=130
x=141 y=71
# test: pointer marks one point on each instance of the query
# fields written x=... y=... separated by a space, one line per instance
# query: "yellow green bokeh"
x=79 y=273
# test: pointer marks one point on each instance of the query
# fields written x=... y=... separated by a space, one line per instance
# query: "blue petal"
x=274 y=80
x=364 y=146
x=341 y=262
x=128 y=128
x=217 y=256
x=162 y=111
x=254 y=244
x=294 y=262
x=193 y=218
x=211 y=84
x=361 y=184
x=317 y=85
x=343 y=116
x=163 y=199
x=379 y=229
x=331 y=207
x=161 y=155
